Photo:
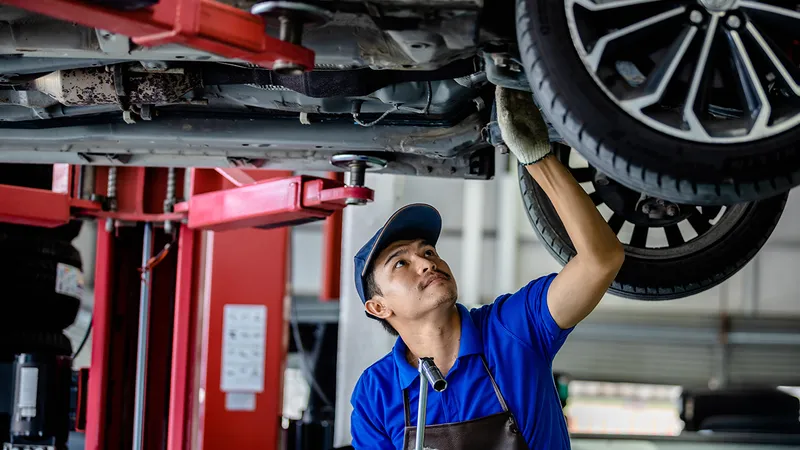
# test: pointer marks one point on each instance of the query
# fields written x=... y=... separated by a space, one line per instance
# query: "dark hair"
x=370 y=289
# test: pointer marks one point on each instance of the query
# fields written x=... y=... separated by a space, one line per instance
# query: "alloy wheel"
x=710 y=71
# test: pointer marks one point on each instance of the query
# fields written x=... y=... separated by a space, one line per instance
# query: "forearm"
x=588 y=231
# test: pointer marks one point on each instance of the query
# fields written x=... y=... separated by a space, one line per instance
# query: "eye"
x=399 y=264
x=430 y=252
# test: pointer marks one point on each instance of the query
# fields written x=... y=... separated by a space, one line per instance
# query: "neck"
x=436 y=337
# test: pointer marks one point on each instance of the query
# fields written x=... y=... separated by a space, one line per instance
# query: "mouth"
x=434 y=279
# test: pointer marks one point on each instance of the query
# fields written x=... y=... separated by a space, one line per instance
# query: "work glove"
x=522 y=126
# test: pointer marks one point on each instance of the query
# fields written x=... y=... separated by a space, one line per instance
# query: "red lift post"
x=231 y=249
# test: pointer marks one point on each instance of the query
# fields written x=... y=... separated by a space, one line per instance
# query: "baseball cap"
x=414 y=221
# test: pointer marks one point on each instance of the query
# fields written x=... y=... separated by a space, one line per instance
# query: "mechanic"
x=497 y=359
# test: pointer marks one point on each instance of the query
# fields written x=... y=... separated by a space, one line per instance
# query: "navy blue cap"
x=414 y=221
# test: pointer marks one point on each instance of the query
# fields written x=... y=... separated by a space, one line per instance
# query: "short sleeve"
x=525 y=314
x=365 y=430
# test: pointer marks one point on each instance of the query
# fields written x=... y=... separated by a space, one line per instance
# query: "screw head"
x=734 y=21
x=646 y=209
x=672 y=210
x=696 y=17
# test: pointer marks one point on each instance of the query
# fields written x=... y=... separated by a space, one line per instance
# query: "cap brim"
x=415 y=221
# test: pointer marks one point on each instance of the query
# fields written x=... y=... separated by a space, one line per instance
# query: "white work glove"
x=522 y=126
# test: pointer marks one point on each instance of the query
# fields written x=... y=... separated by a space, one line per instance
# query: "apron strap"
x=494 y=385
x=406 y=408
x=497 y=392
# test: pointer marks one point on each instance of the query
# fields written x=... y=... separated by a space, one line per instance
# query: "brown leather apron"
x=496 y=432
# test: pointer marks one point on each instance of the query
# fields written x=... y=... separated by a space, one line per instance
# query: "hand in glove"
x=522 y=126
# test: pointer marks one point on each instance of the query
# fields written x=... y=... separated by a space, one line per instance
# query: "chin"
x=449 y=297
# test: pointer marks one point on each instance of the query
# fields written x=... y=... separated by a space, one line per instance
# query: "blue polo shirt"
x=519 y=339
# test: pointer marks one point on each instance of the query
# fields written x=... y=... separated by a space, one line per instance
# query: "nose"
x=424 y=265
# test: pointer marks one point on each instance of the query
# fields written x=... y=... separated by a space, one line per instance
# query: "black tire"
x=66 y=233
x=29 y=271
x=643 y=277
x=25 y=341
x=637 y=156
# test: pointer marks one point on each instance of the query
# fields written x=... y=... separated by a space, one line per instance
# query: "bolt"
x=672 y=210
x=734 y=21
x=112 y=196
x=660 y=202
x=601 y=180
x=646 y=208
x=696 y=17
x=169 y=200
x=357 y=172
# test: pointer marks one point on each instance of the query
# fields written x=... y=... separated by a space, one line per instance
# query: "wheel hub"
x=719 y=5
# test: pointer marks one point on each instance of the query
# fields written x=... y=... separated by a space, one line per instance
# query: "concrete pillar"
x=362 y=341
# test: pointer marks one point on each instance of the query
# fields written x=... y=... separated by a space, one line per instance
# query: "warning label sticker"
x=69 y=281
x=243 y=347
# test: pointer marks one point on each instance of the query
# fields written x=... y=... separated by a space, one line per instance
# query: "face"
x=413 y=281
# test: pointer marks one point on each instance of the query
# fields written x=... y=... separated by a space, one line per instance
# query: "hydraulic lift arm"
x=201 y=24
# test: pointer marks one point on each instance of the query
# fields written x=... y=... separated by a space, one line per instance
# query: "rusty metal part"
x=90 y=86
x=160 y=88
x=97 y=86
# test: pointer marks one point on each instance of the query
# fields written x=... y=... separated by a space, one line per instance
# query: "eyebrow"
x=402 y=250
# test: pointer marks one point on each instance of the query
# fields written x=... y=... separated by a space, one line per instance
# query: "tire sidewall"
x=663 y=279
x=618 y=144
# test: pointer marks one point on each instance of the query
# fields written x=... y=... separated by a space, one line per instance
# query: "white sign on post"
x=243 y=346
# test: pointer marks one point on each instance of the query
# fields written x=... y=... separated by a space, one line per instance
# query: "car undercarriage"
x=685 y=114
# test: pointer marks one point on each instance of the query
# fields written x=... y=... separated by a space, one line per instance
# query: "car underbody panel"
x=400 y=78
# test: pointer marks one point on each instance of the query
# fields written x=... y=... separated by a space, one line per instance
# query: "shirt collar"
x=471 y=344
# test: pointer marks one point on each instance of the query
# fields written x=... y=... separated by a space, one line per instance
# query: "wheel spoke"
x=595 y=196
x=674 y=236
x=615 y=223
x=699 y=223
x=774 y=59
x=785 y=12
x=658 y=81
x=755 y=96
x=639 y=236
x=594 y=57
x=700 y=74
x=709 y=213
x=582 y=175
x=592 y=6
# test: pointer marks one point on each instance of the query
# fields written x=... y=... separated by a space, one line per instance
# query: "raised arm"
x=578 y=288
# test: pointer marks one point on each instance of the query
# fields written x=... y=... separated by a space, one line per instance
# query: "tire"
x=24 y=341
x=66 y=233
x=697 y=407
x=31 y=268
x=626 y=149
x=671 y=273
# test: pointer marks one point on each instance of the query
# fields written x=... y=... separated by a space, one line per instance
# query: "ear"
x=375 y=307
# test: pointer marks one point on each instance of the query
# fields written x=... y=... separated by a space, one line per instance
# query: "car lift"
x=205 y=25
x=174 y=303
x=180 y=297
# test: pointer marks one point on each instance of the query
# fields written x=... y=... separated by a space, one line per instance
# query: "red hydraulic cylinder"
x=187 y=308
x=97 y=397
x=332 y=251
